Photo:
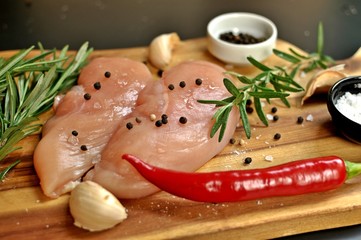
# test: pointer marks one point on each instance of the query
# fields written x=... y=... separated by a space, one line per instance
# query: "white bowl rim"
x=225 y=16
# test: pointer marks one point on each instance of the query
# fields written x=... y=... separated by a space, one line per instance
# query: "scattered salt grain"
x=309 y=118
x=268 y=158
x=269 y=116
x=349 y=105
x=303 y=74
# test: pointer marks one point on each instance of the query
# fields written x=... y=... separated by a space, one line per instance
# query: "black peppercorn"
x=97 y=85
x=83 y=148
x=158 y=123
x=199 y=81
x=248 y=102
x=182 y=84
x=300 y=120
x=129 y=125
x=138 y=120
x=275 y=117
x=232 y=141
x=171 y=87
x=249 y=109
x=160 y=72
x=87 y=96
x=164 y=118
x=107 y=74
x=277 y=136
x=183 y=120
x=274 y=110
x=240 y=38
x=247 y=160
x=74 y=133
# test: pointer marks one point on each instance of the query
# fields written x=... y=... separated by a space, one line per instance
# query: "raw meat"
x=174 y=145
x=62 y=157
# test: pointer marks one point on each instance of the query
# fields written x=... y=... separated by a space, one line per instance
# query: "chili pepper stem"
x=353 y=169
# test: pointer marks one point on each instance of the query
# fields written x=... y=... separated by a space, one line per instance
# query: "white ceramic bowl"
x=236 y=54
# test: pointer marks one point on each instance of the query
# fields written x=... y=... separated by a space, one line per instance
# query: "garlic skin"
x=94 y=208
x=160 y=49
x=323 y=81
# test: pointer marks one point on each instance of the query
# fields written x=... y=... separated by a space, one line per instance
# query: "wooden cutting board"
x=26 y=213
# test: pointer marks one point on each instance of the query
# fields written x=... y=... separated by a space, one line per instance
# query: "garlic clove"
x=95 y=208
x=160 y=49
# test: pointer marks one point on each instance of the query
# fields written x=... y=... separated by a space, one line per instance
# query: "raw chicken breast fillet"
x=174 y=145
x=81 y=127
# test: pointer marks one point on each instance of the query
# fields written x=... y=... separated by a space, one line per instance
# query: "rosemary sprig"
x=27 y=89
x=272 y=82
x=310 y=62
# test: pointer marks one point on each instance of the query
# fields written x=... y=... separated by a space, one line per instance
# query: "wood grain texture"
x=26 y=212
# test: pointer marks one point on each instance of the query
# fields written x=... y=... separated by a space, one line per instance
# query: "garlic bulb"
x=94 y=208
x=160 y=49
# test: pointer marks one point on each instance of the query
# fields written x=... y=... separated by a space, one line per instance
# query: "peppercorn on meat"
x=168 y=128
x=84 y=120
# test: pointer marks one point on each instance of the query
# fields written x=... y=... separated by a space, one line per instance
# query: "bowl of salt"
x=344 y=105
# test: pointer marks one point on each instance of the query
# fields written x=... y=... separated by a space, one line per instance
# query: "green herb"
x=272 y=82
x=28 y=87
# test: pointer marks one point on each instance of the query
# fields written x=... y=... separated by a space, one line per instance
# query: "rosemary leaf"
x=268 y=94
x=257 y=64
x=283 y=99
x=321 y=64
x=285 y=87
x=7 y=169
x=286 y=56
x=39 y=57
x=259 y=110
x=219 y=117
x=27 y=89
x=320 y=39
x=13 y=135
x=281 y=78
x=241 y=78
x=230 y=87
x=224 y=118
x=297 y=54
x=77 y=63
x=11 y=99
x=244 y=118
x=13 y=61
x=216 y=102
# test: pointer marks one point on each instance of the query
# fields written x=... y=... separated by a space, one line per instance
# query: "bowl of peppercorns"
x=232 y=37
x=344 y=105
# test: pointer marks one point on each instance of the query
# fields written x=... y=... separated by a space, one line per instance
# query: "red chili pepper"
x=293 y=178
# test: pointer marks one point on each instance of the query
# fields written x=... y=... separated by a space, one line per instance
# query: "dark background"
x=131 y=23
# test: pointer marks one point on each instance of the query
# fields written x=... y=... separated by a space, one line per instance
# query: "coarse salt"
x=350 y=105
x=309 y=118
x=268 y=158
